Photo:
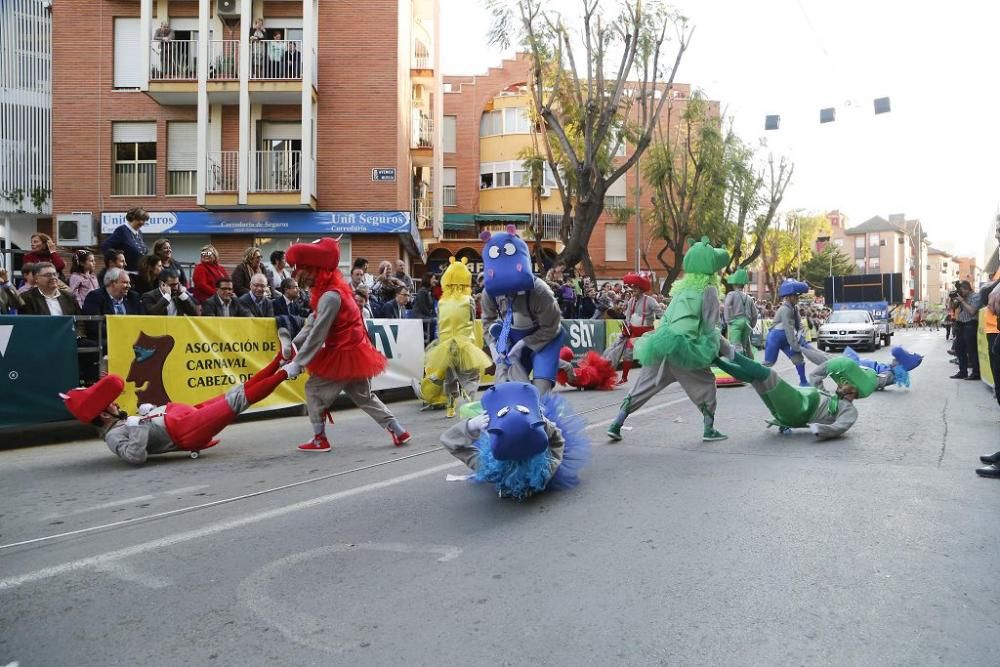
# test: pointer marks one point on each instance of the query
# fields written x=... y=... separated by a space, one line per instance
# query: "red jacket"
x=204 y=279
x=46 y=256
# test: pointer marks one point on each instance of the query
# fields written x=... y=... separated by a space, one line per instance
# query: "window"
x=134 y=159
x=448 y=134
x=615 y=243
x=873 y=264
x=615 y=196
x=859 y=241
x=502 y=179
x=839 y=243
x=860 y=264
x=181 y=158
x=612 y=140
x=127 y=63
x=449 y=193
x=503 y=175
x=491 y=124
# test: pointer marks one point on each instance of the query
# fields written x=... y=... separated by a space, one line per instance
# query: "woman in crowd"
x=206 y=273
x=149 y=271
x=82 y=280
x=248 y=268
x=43 y=249
x=386 y=284
x=165 y=252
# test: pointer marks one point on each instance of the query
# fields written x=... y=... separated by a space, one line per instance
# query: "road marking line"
x=125 y=573
x=211 y=529
x=183 y=489
x=290 y=619
x=103 y=506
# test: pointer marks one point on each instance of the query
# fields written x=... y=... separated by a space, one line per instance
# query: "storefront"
x=376 y=235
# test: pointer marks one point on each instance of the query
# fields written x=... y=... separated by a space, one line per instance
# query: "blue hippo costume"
x=522 y=322
x=520 y=441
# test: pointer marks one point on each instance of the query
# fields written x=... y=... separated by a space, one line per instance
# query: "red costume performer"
x=640 y=313
x=593 y=371
x=169 y=428
x=333 y=345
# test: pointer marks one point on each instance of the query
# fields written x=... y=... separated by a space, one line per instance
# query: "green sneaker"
x=711 y=435
x=615 y=431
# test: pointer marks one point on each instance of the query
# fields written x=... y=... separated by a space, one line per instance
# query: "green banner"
x=37 y=361
x=584 y=335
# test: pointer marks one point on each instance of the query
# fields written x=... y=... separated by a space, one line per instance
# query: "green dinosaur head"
x=844 y=370
x=738 y=277
x=701 y=257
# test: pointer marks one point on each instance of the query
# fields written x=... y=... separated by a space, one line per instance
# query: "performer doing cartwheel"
x=334 y=345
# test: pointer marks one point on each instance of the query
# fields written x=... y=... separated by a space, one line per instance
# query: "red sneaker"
x=317 y=444
x=401 y=439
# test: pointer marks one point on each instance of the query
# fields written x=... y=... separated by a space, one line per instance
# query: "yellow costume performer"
x=453 y=363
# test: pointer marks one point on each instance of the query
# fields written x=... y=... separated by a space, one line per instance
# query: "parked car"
x=856 y=328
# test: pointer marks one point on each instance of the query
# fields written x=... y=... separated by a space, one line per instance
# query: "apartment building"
x=239 y=122
x=896 y=245
x=25 y=123
x=488 y=131
x=942 y=271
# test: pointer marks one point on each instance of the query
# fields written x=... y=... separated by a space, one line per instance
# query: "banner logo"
x=146 y=371
x=5 y=332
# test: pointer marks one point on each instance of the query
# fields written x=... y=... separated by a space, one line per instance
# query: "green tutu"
x=681 y=350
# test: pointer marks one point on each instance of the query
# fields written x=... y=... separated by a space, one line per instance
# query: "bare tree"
x=587 y=106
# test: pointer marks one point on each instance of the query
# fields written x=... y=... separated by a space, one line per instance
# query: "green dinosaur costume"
x=688 y=340
x=826 y=415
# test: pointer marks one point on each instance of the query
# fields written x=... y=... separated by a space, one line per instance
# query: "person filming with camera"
x=966 y=305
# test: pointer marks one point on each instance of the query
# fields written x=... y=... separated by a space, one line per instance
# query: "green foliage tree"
x=788 y=245
x=830 y=261
x=587 y=104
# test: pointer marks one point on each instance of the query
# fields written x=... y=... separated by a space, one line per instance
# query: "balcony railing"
x=223 y=171
x=423 y=212
x=276 y=59
x=276 y=171
x=423 y=131
x=224 y=59
x=421 y=56
x=136 y=179
x=173 y=60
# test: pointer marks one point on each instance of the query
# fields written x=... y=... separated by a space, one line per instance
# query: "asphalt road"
x=876 y=549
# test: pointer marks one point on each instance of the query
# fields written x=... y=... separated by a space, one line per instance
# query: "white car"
x=849 y=327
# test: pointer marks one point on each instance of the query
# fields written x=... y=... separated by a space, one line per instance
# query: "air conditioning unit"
x=227 y=9
x=75 y=229
x=546 y=191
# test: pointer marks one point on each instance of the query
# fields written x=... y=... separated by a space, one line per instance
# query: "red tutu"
x=595 y=372
x=348 y=354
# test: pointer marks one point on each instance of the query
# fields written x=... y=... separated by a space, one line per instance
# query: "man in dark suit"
x=258 y=300
x=128 y=238
x=291 y=315
x=170 y=298
x=395 y=309
x=115 y=298
x=224 y=303
x=45 y=298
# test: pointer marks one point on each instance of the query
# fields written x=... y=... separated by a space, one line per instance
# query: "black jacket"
x=264 y=309
x=213 y=308
x=98 y=302
x=155 y=304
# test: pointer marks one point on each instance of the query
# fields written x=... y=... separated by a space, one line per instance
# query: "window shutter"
x=279 y=131
x=134 y=133
x=448 y=134
x=128 y=64
x=182 y=147
x=448 y=177
x=617 y=189
x=615 y=249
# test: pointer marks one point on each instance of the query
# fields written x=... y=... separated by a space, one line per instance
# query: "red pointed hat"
x=640 y=280
x=86 y=403
x=323 y=253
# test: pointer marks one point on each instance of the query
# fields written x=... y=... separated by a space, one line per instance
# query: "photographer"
x=966 y=305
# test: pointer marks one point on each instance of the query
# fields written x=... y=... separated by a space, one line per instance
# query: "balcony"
x=275 y=171
x=276 y=60
x=174 y=60
x=421 y=57
x=224 y=60
x=423 y=131
x=223 y=174
x=423 y=212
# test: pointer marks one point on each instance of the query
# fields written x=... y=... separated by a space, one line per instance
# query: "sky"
x=935 y=157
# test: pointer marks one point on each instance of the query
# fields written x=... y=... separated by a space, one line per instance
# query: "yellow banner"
x=193 y=359
x=983 y=349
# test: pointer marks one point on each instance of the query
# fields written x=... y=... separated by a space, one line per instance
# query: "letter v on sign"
x=5 y=332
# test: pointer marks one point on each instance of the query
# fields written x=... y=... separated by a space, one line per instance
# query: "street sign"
x=384 y=174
